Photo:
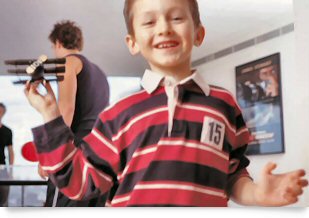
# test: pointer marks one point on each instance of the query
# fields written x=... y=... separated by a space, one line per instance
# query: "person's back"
x=92 y=97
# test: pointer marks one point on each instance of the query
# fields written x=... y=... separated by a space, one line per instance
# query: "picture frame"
x=259 y=95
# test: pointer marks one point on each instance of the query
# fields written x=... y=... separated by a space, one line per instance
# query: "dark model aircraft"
x=36 y=69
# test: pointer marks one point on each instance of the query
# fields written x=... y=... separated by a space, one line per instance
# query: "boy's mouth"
x=166 y=44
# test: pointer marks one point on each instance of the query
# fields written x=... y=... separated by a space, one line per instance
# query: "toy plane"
x=36 y=69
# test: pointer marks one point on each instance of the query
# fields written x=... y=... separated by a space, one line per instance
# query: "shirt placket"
x=172 y=98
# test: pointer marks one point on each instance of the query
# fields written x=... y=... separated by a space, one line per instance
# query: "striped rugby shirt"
x=167 y=145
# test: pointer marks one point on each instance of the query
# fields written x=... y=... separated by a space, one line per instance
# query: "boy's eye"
x=177 y=18
x=147 y=23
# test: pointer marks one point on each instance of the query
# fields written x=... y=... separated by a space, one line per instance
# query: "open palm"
x=279 y=189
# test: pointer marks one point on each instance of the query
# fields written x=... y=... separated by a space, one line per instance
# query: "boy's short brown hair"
x=127 y=12
x=68 y=34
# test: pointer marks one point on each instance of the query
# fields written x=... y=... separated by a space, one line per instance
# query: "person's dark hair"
x=128 y=15
x=3 y=106
x=68 y=34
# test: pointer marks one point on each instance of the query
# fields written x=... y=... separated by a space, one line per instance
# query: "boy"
x=178 y=142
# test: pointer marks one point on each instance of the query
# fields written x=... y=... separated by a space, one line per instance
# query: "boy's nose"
x=163 y=27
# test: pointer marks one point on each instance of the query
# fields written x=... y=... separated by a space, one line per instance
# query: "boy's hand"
x=44 y=104
x=279 y=189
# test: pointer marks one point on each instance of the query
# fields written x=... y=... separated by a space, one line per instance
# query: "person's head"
x=2 y=110
x=66 y=35
x=128 y=14
x=163 y=31
x=267 y=72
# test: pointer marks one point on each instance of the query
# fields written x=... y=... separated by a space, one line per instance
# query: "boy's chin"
x=170 y=62
x=167 y=65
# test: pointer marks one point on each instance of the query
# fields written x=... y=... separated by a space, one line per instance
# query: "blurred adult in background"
x=82 y=95
x=6 y=141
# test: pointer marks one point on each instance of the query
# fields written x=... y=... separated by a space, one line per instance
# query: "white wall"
x=301 y=11
x=222 y=72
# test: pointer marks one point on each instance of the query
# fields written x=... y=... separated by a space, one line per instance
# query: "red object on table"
x=29 y=152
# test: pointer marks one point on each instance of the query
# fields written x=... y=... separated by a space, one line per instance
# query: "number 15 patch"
x=213 y=132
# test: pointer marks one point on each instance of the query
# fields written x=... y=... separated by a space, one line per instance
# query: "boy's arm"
x=80 y=173
x=271 y=190
x=242 y=191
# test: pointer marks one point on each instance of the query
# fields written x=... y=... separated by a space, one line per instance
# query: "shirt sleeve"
x=9 y=138
x=238 y=160
x=80 y=171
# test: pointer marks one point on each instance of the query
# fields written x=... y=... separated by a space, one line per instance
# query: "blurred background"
x=238 y=31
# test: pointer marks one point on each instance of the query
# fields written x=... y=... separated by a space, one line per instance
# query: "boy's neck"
x=177 y=74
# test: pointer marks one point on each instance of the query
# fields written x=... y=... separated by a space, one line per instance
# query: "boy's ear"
x=58 y=44
x=132 y=45
x=199 y=35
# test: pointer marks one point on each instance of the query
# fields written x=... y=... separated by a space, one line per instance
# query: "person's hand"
x=44 y=104
x=42 y=173
x=279 y=189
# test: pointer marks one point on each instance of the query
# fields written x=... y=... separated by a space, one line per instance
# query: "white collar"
x=152 y=80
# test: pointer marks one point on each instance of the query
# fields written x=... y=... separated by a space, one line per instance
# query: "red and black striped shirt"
x=131 y=151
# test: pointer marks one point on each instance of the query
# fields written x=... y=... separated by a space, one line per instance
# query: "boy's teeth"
x=167 y=45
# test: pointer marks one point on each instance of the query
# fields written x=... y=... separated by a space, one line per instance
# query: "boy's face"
x=164 y=33
x=2 y=111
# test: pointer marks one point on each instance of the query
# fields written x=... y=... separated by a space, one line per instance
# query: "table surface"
x=20 y=175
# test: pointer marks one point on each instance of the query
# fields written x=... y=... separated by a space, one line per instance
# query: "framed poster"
x=258 y=91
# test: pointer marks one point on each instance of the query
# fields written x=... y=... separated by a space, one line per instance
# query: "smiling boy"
x=178 y=142
x=165 y=40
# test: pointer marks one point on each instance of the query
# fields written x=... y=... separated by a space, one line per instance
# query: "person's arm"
x=67 y=95
x=80 y=172
x=11 y=154
x=67 y=89
x=271 y=190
